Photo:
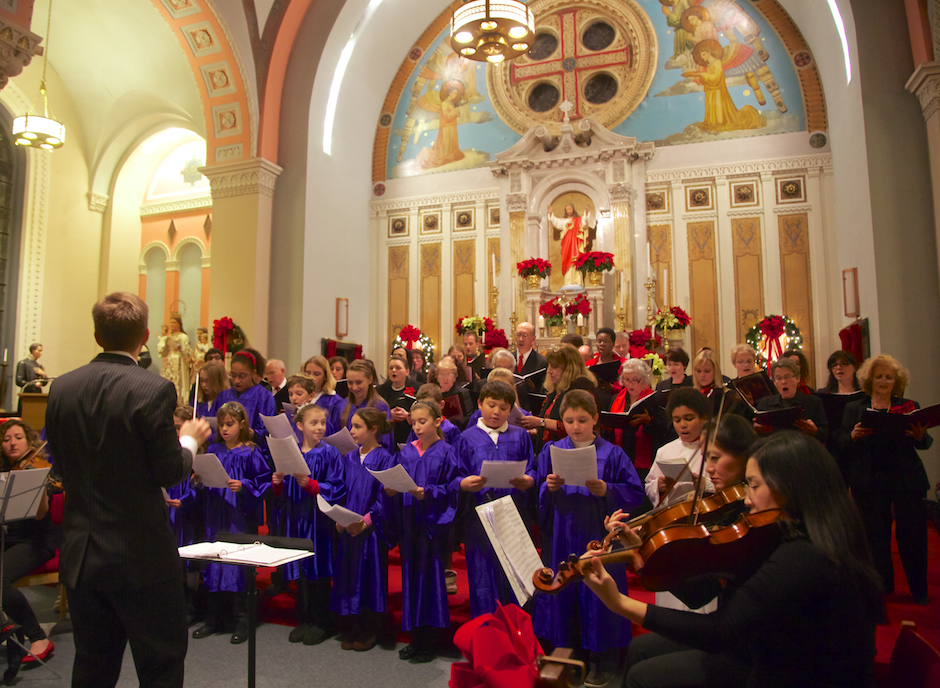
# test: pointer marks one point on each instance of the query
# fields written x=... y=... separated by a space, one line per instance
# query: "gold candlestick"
x=512 y=335
x=494 y=305
x=621 y=316
x=650 y=318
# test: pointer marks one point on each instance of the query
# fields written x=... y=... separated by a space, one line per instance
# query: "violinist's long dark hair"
x=806 y=476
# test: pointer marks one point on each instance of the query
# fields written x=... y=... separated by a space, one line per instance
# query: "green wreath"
x=423 y=342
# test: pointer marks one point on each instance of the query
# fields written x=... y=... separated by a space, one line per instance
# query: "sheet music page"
x=278 y=426
x=289 y=408
x=343 y=441
x=340 y=514
x=213 y=422
x=210 y=470
x=513 y=546
x=287 y=457
x=499 y=473
x=395 y=478
x=24 y=493
x=576 y=466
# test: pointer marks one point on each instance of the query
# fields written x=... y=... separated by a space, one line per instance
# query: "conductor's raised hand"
x=198 y=429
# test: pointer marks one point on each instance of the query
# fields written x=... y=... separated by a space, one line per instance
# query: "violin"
x=712 y=507
x=33 y=460
x=679 y=554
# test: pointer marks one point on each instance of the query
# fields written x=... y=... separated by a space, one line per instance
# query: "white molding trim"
x=788 y=209
x=242 y=178
x=425 y=201
x=695 y=217
x=29 y=301
x=142 y=259
x=743 y=168
x=175 y=206
x=190 y=240
x=97 y=203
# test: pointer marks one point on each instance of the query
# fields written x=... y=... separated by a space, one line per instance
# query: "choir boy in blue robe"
x=296 y=497
x=360 y=581
x=420 y=521
x=491 y=439
x=569 y=518
x=228 y=511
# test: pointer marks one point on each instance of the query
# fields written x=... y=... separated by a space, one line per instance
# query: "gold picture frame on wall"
x=699 y=199
x=658 y=200
x=430 y=222
x=397 y=226
x=342 y=318
x=791 y=190
x=850 y=292
x=464 y=219
x=745 y=193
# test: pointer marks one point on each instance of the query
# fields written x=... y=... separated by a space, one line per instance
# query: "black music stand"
x=20 y=496
x=270 y=541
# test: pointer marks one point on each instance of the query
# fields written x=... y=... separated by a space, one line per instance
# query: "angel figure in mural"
x=575 y=234
x=175 y=352
x=445 y=148
x=443 y=66
x=720 y=112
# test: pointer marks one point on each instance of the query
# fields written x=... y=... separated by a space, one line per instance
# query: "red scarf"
x=643 y=442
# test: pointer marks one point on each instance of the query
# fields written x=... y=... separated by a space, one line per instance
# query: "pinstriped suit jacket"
x=110 y=427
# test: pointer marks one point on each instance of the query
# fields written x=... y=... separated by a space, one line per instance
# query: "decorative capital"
x=925 y=84
x=97 y=203
x=516 y=203
x=18 y=45
x=620 y=193
x=242 y=178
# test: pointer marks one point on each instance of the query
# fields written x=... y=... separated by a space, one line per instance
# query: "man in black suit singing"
x=110 y=427
x=528 y=360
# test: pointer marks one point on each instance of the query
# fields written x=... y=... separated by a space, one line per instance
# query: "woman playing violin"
x=29 y=543
x=807 y=615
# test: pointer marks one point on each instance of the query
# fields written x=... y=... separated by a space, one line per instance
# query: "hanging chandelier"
x=492 y=30
x=40 y=131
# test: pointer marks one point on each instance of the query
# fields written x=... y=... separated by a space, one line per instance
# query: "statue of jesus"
x=573 y=240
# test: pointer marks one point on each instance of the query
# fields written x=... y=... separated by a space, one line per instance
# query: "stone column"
x=925 y=84
x=242 y=198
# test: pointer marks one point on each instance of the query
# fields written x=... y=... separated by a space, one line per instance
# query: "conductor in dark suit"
x=110 y=427
x=528 y=360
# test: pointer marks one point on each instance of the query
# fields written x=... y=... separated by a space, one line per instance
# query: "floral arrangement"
x=643 y=342
x=656 y=363
x=410 y=391
x=495 y=339
x=227 y=336
x=595 y=261
x=580 y=306
x=552 y=312
x=672 y=319
x=411 y=337
x=473 y=323
x=772 y=336
x=534 y=266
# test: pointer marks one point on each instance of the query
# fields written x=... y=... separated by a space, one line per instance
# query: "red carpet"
x=901 y=607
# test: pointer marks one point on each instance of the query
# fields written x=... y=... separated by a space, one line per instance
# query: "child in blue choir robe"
x=188 y=524
x=227 y=511
x=296 y=495
x=360 y=581
x=324 y=391
x=359 y=379
x=431 y=392
x=569 y=518
x=256 y=400
x=420 y=520
x=491 y=439
x=502 y=375
x=213 y=380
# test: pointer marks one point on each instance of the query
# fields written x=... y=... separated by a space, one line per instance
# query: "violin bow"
x=32 y=454
x=700 y=483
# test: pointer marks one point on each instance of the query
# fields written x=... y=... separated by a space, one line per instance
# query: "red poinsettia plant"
x=473 y=323
x=595 y=261
x=534 y=266
x=672 y=319
x=409 y=335
x=552 y=312
x=580 y=306
x=642 y=342
x=495 y=339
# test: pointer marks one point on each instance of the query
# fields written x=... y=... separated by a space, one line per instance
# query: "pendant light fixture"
x=40 y=131
x=492 y=30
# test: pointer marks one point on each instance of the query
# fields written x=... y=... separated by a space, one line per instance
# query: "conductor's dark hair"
x=690 y=398
x=816 y=500
x=609 y=332
x=677 y=355
x=33 y=347
x=120 y=321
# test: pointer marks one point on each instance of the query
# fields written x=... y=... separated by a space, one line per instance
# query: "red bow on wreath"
x=773 y=328
x=409 y=335
x=220 y=331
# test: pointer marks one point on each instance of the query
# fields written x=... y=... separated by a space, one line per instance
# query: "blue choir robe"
x=388 y=439
x=184 y=518
x=360 y=580
x=257 y=402
x=568 y=520
x=334 y=404
x=451 y=433
x=208 y=409
x=303 y=519
x=488 y=582
x=421 y=528
x=228 y=512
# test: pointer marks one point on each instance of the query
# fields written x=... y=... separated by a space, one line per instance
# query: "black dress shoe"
x=204 y=631
x=409 y=651
x=241 y=634
x=314 y=635
x=425 y=656
x=297 y=635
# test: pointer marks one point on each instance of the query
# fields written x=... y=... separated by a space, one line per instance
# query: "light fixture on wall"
x=40 y=131
x=492 y=30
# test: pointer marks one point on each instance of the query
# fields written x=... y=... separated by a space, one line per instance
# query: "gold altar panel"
x=703 y=283
x=581 y=203
x=748 y=274
x=397 y=291
x=431 y=295
x=660 y=241
x=795 y=280
x=492 y=251
x=464 y=273
x=516 y=248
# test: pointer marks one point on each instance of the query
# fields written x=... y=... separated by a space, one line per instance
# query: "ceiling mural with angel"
x=668 y=71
